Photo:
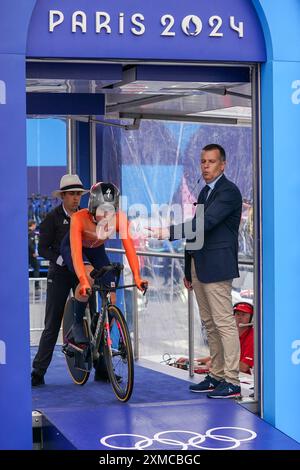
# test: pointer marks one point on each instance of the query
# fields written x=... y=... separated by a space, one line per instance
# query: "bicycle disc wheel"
x=79 y=376
x=118 y=355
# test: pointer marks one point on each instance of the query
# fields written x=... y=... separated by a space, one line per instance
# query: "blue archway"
x=280 y=117
x=280 y=85
x=15 y=393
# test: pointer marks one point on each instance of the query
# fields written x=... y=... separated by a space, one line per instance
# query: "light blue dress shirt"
x=212 y=185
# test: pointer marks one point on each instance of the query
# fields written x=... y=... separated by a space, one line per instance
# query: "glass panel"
x=163 y=313
x=46 y=163
x=159 y=164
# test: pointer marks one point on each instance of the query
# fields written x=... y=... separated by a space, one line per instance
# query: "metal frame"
x=179 y=117
x=257 y=187
x=256 y=404
x=71 y=145
x=93 y=153
x=256 y=128
x=92 y=119
x=191 y=332
x=126 y=62
x=123 y=107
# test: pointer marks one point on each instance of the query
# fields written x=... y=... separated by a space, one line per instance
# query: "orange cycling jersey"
x=84 y=232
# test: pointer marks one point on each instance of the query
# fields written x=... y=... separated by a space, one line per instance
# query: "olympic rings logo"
x=195 y=441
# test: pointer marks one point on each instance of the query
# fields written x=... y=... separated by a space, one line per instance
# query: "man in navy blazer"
x=210 y=270
x=218 y=259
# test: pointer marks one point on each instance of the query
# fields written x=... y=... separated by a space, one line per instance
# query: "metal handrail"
x=162 y=254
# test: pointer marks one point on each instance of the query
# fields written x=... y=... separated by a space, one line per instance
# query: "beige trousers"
x=215 y=307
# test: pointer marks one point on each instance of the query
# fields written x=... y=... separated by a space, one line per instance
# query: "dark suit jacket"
x=52 y=230
x=217 y=260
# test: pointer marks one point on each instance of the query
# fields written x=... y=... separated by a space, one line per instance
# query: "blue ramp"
x=162 y=414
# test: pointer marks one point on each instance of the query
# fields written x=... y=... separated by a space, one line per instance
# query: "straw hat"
x=69 y=183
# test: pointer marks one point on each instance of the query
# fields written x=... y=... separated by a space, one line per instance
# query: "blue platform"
x=162 y=414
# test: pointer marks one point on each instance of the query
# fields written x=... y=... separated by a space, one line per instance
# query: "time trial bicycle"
x=107 y=335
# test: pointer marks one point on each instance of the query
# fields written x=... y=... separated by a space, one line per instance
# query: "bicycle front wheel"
x=118 y=354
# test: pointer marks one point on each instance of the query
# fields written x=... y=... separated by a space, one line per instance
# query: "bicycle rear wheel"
x=79 y=376
x=118 y=355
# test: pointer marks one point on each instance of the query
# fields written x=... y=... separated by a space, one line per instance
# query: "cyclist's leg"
x=99 y=258
x=80 y=302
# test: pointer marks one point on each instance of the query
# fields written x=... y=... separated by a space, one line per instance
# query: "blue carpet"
x=149 y=386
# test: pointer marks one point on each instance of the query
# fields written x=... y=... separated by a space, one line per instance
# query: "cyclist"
x=83 y=249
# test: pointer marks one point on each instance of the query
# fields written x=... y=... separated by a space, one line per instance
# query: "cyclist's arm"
x=122 y=227
x=47 y=238
x=76 y=247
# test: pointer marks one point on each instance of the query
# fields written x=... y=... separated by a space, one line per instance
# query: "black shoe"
x=37 y=379
x=207 y=385
x=103 y=376
x=225 y=390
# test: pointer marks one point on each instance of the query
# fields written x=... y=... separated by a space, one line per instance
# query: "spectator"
x=211 y=268
x=59 y=280
x=243 y=312
x=32 y=252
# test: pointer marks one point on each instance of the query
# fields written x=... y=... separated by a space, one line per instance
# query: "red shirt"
x=247 y=347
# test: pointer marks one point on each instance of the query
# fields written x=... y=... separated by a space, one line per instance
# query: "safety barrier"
x=37 y=304
x=162 y=329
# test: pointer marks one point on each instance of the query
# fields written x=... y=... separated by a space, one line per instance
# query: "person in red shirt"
x=83 y=249
x=243 y=312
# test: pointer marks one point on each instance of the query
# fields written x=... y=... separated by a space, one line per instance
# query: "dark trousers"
x=59 y=283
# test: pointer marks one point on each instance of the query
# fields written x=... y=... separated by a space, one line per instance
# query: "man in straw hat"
x=59 y=280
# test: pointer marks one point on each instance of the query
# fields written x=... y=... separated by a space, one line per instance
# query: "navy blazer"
x=217 y=260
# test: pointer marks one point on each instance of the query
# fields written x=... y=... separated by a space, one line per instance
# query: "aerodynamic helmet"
x=104 y=195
